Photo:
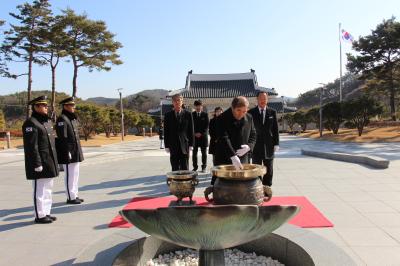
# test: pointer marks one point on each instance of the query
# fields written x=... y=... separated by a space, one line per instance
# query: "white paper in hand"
x=236 y=162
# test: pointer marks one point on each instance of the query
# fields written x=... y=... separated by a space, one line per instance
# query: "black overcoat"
x=213 y=136
x=39 y=147
x=231 y=134
x=67 y=127
x=267 y=133
x=178 y=132
x=201 y=126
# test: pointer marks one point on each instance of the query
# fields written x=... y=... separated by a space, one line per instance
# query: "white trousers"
x=71 y=180
x=42 y=196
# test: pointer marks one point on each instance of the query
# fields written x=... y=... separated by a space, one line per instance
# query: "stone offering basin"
x=210 y=227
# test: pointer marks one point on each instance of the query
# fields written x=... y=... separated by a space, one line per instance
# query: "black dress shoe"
x=53 y=218
x=74 y=201
x=82 y=200
x=194 y=169
x=43 y=220
x=203 y=169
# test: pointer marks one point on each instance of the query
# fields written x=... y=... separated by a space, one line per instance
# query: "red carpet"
x=309 y=216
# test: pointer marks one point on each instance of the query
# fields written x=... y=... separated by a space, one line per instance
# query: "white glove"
x=167 y=150
x=276 y=148
x=39 y=169
x=245 y=149
x=190 y=148
x=69 y=155
x=236 y=162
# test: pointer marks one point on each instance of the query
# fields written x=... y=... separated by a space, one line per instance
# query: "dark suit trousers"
x=179 y=161
x=268 y=163
x=203 y=157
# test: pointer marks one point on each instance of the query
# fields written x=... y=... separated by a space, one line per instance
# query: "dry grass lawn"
x=370 y=134
x=97 y=140
x=101 y=139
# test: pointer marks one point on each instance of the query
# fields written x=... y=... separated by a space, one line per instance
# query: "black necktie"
x=262 y=116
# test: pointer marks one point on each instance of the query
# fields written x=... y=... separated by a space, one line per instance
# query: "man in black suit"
x=41 y=164
x=236 y=135
x=69 y=148
x=178 y=134
x=213 y=135
x=201 y=123
x=161 y=135
x=267 y=142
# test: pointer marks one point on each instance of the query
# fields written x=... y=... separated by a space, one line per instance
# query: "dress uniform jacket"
x=201 y=126
x=39 y=147
x=178 y=132
x=231 y=134
x=267 y=133
x=67 y=127
x=213 y=136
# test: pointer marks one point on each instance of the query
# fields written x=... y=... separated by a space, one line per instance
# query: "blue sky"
x=292 y=45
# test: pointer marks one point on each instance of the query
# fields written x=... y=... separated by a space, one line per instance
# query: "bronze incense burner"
x=182 y=184
x=238 y=186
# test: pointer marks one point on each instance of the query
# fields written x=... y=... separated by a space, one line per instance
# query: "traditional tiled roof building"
x=217 y=86
x=219 y=90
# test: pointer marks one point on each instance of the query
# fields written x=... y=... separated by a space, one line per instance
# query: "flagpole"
x=340 y=50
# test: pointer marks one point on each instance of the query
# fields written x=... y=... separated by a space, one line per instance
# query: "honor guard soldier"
x=201 y=123
x=41 y=164
x=69 y=148
x=267 y=142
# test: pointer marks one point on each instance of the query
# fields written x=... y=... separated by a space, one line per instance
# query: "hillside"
x=160 y=93
x=352 y=88
x=103 y=100
x=145 y=100
x=141 y=101
x=13 y=105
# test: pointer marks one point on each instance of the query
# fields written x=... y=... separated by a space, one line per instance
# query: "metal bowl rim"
x=182 y=174
x=239 y=206
x=256 y=171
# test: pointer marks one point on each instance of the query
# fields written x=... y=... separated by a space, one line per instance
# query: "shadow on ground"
x=150 y=186
x=7 y=227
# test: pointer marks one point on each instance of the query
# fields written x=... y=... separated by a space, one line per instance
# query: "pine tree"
x=23 y=41
x=378 y=59
x=90 y=44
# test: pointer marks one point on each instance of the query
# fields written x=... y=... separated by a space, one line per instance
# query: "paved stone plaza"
x=362 y=202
